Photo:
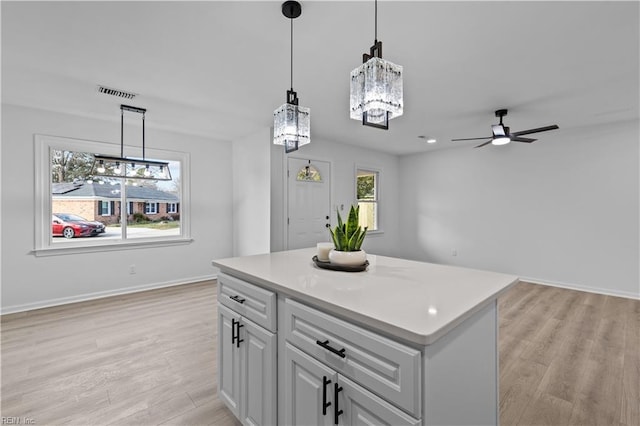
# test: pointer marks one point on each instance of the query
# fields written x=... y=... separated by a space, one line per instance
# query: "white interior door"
x=309 y=202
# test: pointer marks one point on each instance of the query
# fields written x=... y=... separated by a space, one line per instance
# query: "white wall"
x=29 y=282
x=251 y=194
x=343 y=159
x=563 y=210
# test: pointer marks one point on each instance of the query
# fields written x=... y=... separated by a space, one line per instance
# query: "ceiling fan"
x=502 y=136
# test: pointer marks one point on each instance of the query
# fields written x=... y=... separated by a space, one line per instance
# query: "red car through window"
x=70 y=225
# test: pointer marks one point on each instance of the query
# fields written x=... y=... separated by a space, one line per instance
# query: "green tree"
x=69 y=165
x=366 y=187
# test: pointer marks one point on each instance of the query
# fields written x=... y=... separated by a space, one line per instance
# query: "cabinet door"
x=258 y=375
x=309 y=390
x=361 y=407
x=228 y=360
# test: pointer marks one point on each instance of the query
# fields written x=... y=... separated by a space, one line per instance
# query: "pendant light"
x=130 y=168
x=291 y=122
x=376 y=87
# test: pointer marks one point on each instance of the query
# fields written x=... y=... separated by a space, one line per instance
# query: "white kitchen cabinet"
x=318 y=395
x=389 y=368
x=405 y=342
x=228 y=361
x=308 y=390
x=247 y=365
x=258 y=396
x=250 y=301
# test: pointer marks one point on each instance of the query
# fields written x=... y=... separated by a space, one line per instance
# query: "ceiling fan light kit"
x=500 y=140
x=501 y=134
x=291 y=122
x=376 y=87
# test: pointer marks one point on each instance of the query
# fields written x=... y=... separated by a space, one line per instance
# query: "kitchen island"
x=403 y=342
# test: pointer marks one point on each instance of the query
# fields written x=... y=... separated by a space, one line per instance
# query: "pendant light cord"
x=376 y=22
x=143 y=114
x=121 y=132
x=292 y=54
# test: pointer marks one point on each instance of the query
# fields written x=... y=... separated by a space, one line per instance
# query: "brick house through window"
x=101 y=202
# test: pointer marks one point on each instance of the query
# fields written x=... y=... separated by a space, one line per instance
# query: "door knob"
x=327 y=225
x=327 y=217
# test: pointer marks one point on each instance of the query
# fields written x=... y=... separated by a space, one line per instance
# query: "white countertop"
x=416 y=301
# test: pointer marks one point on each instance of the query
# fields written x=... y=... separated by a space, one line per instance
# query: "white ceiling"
x=219 y=69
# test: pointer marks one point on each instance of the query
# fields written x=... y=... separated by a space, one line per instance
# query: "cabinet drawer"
x=385 y=367
x=250 y=301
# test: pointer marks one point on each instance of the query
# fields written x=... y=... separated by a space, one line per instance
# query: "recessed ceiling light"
x=429 y=140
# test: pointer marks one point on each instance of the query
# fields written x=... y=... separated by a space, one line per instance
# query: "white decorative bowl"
x=347 y=258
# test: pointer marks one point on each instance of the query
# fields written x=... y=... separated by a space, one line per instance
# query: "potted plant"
x=347 y=238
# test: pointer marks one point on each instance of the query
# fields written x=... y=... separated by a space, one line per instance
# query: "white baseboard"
x=100 y=294
x=605 y=291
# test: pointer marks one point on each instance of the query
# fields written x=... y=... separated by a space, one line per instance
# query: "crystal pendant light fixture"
x=130 y=168
x=376 y=87
x=291 y=122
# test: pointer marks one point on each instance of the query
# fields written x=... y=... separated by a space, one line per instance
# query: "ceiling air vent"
x=116 y=92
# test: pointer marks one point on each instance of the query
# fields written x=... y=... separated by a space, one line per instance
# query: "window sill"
x=115 y=246
x=377 y=232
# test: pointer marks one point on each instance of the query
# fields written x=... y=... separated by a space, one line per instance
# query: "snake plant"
x=348 y=236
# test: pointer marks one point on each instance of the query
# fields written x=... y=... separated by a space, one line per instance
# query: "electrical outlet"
x=454 y=252
x=132 y=269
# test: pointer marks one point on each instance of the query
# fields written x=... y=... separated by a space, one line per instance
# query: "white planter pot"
x=347 y=258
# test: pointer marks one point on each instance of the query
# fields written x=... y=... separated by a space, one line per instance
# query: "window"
x=368 y=196
x=172 y=208
x=112 y=208
x=309 y=173
x=151 y=208
x=104 y=207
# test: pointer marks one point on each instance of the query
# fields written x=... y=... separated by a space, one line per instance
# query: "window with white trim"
x=367 y=195
x=64 y=184
x=104 y=207
x=172 y=208
x=151 y=208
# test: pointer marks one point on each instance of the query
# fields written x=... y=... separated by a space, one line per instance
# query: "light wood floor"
x=567 y=358
x=141 y=359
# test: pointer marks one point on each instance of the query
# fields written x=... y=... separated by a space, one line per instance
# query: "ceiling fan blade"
x=471 y=139
x=539 y=129
x=483 y=144
x=521 y=139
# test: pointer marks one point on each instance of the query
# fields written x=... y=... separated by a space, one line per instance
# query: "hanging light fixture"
x=291 y=122
x=376 y=87
x=130 y=168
